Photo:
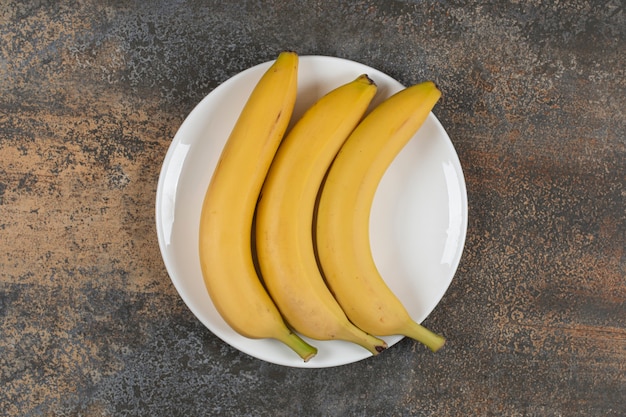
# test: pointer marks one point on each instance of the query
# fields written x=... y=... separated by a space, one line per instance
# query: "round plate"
x=418 y=220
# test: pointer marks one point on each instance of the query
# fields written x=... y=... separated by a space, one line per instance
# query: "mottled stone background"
x=91 y=94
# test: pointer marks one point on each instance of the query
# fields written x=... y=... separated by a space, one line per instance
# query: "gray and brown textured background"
x=91 y=95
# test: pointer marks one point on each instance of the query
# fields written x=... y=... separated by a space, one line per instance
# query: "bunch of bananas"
x=284 y=228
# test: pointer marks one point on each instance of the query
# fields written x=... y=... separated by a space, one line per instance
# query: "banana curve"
x=285 y=216
x=229 y=204
x=343 y=216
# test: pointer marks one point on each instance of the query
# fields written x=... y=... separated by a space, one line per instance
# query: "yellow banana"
x=285 y=211
x=229 y=204
x=343 y=215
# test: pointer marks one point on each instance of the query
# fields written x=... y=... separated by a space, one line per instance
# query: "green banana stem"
x=420 y=333
x=302 y=348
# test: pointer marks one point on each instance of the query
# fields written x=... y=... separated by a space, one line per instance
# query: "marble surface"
x=91 y=94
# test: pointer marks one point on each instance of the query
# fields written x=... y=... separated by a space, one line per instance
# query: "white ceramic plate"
x=418 y=221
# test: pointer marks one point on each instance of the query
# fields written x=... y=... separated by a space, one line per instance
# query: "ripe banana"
x=343 y=215
x=229 y=204
x=285 y=211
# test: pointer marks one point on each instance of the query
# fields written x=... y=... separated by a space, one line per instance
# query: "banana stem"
x=302 y=348
x=420 y=333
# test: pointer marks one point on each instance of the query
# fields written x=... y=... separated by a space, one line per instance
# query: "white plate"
x=418 y=222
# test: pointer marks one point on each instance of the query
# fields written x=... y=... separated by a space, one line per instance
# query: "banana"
x=346 y=198
x=284 y=221
x=227 y=212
